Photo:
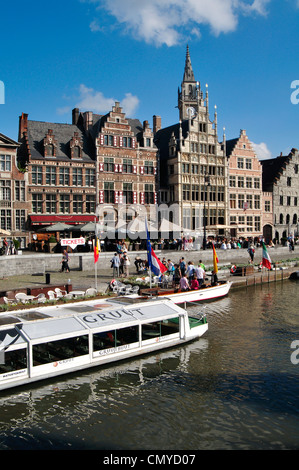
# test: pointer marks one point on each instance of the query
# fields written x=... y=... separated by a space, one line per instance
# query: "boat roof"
x=79 y=317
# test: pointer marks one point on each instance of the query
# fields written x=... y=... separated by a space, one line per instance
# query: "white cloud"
x=171 y=21
x=92 y=100
x=262 y=151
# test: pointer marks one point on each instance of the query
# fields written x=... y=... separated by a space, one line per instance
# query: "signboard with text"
x=72 y=242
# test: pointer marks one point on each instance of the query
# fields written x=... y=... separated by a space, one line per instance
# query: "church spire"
x=188 y=72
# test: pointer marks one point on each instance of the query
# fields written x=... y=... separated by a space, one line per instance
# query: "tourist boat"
x=44 y=342
x=207 y=292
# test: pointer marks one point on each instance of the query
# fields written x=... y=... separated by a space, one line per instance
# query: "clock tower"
x=189 y=93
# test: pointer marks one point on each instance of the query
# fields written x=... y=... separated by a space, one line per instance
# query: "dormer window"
x=50 y=150
x=76 y=152
x=50 y=144
x=76 y=146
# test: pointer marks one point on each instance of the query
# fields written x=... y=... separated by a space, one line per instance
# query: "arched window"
x=288 y=219
x=281 y=219
x=295 y=218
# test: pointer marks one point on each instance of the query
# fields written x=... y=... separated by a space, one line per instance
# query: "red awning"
x=67 y=219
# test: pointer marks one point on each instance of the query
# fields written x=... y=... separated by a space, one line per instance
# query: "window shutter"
x=121 y=141
x=141 y=170
x=134 y=169
x=101 y=139
x=116 y=197
x=116 y=167
x=141 y=198
x=101 y=166
x=114 y=140
x=120 y=168
x=101 y=197
x=134 y=197
x=120 y=198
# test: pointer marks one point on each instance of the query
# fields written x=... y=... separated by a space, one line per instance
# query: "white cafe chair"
x=22 y=297
x=51 y=295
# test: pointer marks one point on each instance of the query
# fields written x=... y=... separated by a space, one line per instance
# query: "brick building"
x=244 y=188
x=281 y=179
x=13 y=183
x=87 y=168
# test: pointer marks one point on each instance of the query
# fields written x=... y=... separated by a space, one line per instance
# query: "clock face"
x=191 y=111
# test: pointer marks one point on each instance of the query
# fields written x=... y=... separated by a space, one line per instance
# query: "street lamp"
x=207 y=184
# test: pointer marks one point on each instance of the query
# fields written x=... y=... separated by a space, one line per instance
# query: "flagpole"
x=95 y=267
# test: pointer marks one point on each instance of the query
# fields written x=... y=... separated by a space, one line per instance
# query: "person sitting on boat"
x=214 y=279
x=194 y=283
x=184 y=283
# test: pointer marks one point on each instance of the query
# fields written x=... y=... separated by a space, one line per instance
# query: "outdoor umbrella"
x=4 y=232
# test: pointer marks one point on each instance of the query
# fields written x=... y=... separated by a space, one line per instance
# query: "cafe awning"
x=41 y=219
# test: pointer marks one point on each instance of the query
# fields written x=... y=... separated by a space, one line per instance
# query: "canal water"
x=234 y=389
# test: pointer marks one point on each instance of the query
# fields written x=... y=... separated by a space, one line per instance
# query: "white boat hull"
x=205 y=293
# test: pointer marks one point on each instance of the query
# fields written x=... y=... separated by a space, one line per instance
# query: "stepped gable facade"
x=281 y=178
x=74 y=170
x=13 y=191
x=244 y=188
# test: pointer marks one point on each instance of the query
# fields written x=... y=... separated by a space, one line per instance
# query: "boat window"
x=160 y=328
x=60 y=350
x=114 y=338
x=13 y=360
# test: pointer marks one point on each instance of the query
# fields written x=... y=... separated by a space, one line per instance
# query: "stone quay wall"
x=35 y=263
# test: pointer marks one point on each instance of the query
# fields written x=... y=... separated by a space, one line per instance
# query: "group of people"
x=187 y=276
x=120 y=263
x=8 y=247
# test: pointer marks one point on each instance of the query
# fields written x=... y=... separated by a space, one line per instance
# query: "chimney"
x=145 y=125
x=156 y=124
x=87 y=120
x=75 y=116
x=23 y=125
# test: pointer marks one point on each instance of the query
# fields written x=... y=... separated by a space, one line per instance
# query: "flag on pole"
x=154 y=263
x=215 y=260
x=96 y=246
x=266 y=261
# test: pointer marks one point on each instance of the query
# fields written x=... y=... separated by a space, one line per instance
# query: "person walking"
x=65 y=262
x=251 y=252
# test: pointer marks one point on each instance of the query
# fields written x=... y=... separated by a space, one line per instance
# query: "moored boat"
x=208 y=292
x=41 y=343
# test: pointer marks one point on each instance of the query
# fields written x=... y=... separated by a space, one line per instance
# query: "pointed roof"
x=188 y=72
x=7 y=141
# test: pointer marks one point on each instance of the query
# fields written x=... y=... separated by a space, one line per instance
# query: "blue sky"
x=90 y=53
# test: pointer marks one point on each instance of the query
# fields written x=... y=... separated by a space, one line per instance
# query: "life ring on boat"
x=113 y=283
x=233 y=269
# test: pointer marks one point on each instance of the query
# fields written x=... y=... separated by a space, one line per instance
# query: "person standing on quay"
x=127 y=263
x=115 y=262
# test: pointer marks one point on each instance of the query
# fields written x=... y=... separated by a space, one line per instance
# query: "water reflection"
x=236 y=388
